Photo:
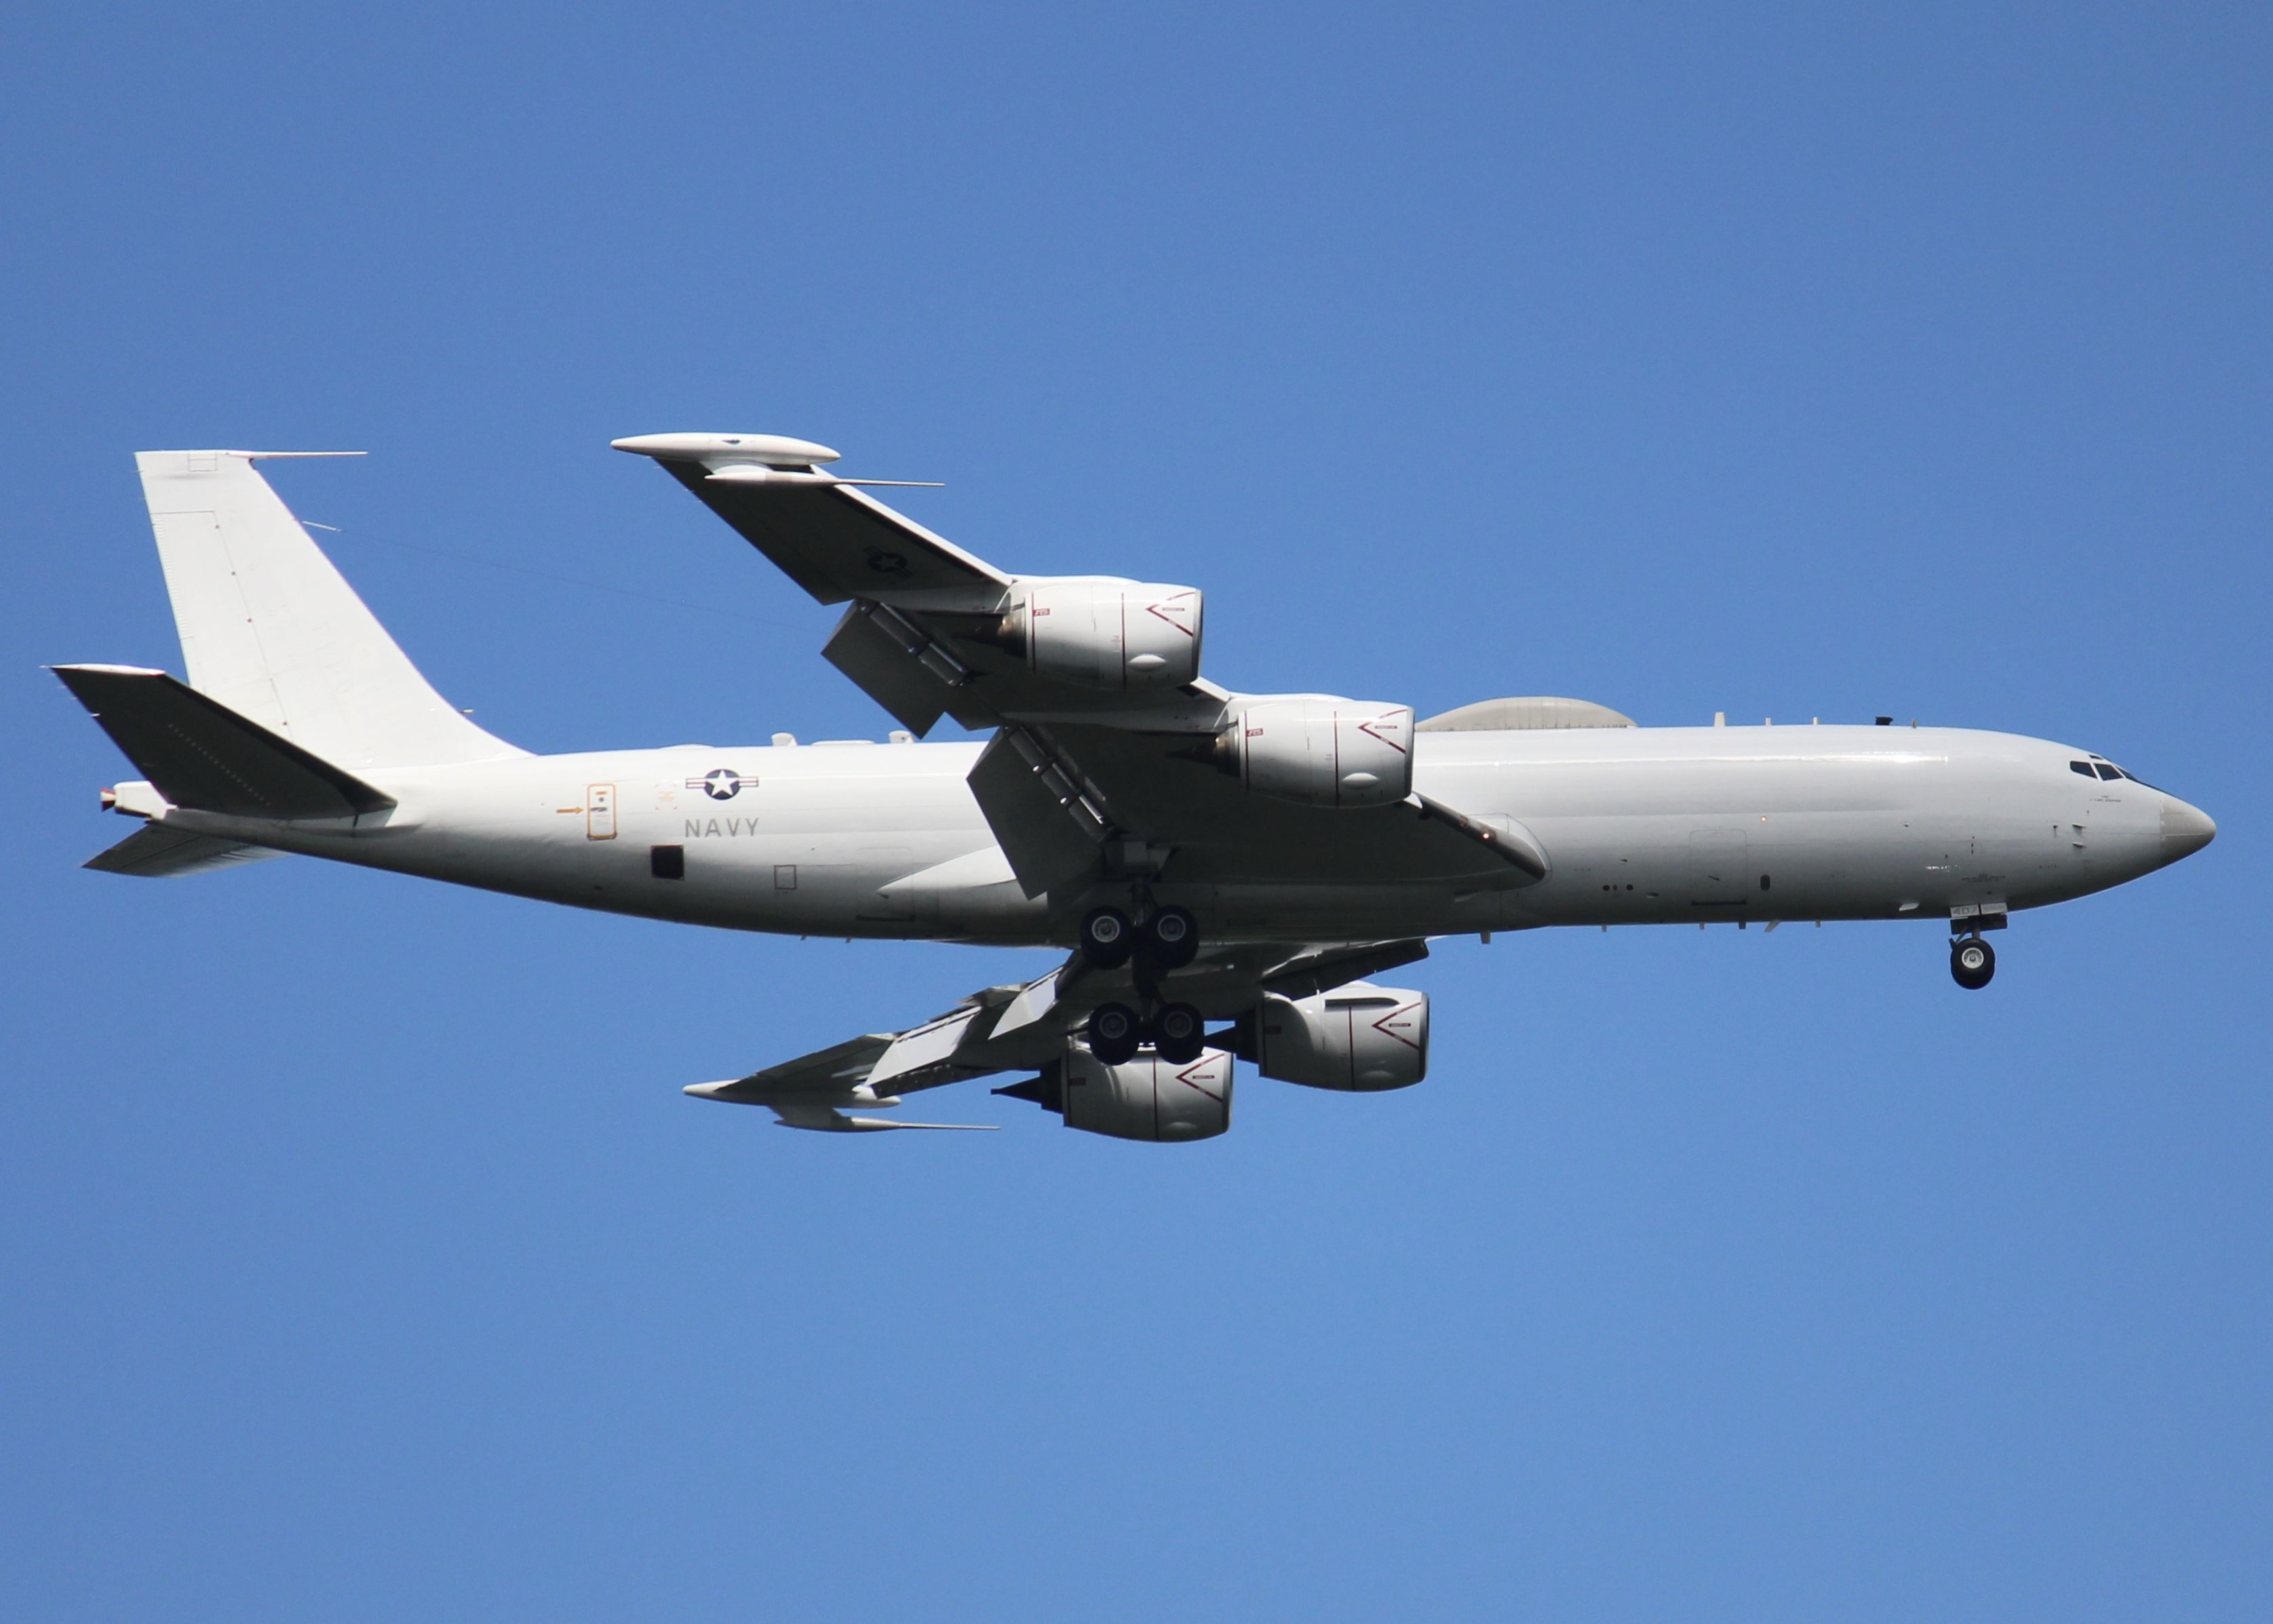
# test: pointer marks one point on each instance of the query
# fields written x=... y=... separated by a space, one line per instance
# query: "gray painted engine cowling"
x=1324 y=752
x=1148 y=1098
x=1110 y=634
x=1357 y=1038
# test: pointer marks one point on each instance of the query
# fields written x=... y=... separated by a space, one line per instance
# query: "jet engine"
x=1103 y=633
x=1359 y=1038
x=1148 y=1098
x=1321 y=752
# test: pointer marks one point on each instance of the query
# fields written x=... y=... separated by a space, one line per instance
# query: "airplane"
x=1224 y=869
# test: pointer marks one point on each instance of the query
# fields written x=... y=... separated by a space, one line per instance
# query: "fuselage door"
x=600 y=812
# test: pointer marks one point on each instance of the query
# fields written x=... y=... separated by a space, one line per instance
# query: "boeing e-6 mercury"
x=1224 y=868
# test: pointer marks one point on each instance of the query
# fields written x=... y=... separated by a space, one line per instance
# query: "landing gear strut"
x=1972 y=961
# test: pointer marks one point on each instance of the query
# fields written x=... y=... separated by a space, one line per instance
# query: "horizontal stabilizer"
x=153 y=851
x=202 y=754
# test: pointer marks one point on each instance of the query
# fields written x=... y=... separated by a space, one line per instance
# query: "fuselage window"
x=2082 y=767
x=2109 y=769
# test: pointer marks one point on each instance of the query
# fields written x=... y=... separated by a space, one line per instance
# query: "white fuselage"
x=1638 y=825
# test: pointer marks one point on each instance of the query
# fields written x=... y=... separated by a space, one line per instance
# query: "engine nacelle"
x=1359 y=1038
x=1105 y=634
x=1148 y=1098
x=1321 y=752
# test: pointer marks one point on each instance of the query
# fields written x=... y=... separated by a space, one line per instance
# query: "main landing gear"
x=1168 y=939
x=1178 y=1033
x=1972 y=961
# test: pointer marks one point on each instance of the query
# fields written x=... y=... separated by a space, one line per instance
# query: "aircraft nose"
x=2186 y=829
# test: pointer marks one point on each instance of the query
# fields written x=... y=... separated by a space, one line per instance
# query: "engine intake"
x=1359 y=1038
x=1321 y=752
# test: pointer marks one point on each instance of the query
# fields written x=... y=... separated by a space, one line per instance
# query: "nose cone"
x=2186 y=829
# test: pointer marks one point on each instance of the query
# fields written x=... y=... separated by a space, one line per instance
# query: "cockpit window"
x=2082 y=767
x=2109 y=769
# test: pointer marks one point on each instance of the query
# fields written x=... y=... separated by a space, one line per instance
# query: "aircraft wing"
x=1026 y=1027
x=920 y=634
x=823 y=532
x=1091 y=775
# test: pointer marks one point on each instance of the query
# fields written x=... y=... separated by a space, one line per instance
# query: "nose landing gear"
x=1972 y=962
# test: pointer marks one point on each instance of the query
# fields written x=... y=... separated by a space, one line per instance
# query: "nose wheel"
x=1972 y=962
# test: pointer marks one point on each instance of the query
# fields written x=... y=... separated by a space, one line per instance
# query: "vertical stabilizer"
x=270 y=629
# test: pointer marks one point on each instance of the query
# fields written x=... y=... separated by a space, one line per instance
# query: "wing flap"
x=881 y=667
x=1047 y=844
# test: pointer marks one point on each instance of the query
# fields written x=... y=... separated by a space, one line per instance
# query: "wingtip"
x=724 y=448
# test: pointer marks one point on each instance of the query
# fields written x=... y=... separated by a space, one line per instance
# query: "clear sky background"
x=359 y=1258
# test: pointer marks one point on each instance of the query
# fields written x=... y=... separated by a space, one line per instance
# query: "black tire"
x=1107 y=938
x=1972 y=963
x=1115 y=1033
x=1172 y=937
x=1179 y=1034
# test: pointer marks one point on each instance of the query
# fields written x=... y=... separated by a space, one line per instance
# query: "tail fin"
x=270 y=629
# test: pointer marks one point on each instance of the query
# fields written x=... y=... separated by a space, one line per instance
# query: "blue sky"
x=360 y=1258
